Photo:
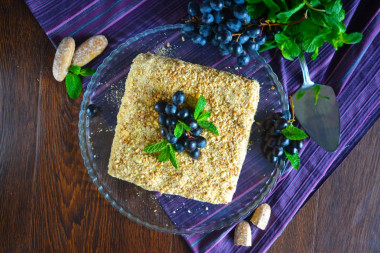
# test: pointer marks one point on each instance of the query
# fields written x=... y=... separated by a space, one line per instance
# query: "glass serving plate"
x=170 y=213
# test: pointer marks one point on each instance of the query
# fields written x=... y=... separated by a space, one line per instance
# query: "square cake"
x=232 y=101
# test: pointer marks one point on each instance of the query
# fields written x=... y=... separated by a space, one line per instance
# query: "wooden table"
x=47 y=200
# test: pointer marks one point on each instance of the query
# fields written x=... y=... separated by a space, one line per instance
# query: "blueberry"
x=281 y=123
x=179 y=147
x=277 y=115
x=223 y=50
x=164 y=132
x=228 y=3
x=172 y=139
x=219 y=17
x=196 y=38
x=92 y=110
x=268 y=124
x=183 y=113
x=190 y=144
x=236 y=49
x=207 y=18
x=271 y=142
x=197 y=131
x=233 y=25
x=291 y=150
x=201 y=142
x=195 y=153
x=274 y=131
x=239 y=1
x=224 y=36
x=205 y=8
x=283 y=141
x=217 y=5
x=191 y=113
x=160 y=106
x=240 y=12
x=278 y=151
x=171 y=121
x=192 y=8
x=266 y=149
x=251 y=46
x=297 y=144
x=188 y=27
x=266 y=135
x=214 y=42
x=202 y=42
x=271 y=158
x=205 y=30
x=178 y=98
x=162 y=118
x=192 y=124
x=243 y=60
x=170 y=109
x=243 y=39
x=261 y=40
x=222 y=27
x=253 y=32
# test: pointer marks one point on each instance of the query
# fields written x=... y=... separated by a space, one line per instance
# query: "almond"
x=261 y=216
x=89 y=49
x=243 y=234
x=63 y=57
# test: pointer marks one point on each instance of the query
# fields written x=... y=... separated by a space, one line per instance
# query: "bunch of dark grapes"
x=274 y=142
x=191 y=141
x=227 y=25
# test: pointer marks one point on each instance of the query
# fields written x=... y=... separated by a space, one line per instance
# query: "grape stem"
x=292 y=105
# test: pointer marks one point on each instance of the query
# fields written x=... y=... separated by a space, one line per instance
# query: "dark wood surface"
x=48 y=202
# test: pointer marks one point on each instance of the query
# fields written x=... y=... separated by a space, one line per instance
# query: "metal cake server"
x=320 y=118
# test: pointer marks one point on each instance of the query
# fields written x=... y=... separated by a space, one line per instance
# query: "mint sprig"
x=293 y=159
x=201 y=117
x=317 y=92
x=306 y=25
x=167 y=152
x=156 y=147
x=173 y=158
x=294 y=133
x=74 y=82
x=200 y=106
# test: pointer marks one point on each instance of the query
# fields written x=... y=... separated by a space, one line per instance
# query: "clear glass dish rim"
x=278 y=170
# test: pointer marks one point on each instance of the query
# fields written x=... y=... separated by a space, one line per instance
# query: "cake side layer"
x=232 y=101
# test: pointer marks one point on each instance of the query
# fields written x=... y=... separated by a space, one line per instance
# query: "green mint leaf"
x=294 y=133
x=173 y=158
x=352 y=38
x=73 y=85
x=208 y=126
x=283 y=17
x=314 y=3
x=186 y=127
x=165 y=154
x=333 y=7
x=272 y=5
x=293 y=159
x=268 y=45
x=300 y=94
x=156 y=147
x=75 y=69
x=87 y=72
x=204 y=116
x=178 y=130
x=256 y=9
x=315 y=54
x=200 y=106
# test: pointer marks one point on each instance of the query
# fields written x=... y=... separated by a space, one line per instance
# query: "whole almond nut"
x=63 y=57
x=89 y=49
x=243 y=234
x=260 y=217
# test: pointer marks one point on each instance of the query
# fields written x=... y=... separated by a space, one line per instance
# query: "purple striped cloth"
x=353 y=72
